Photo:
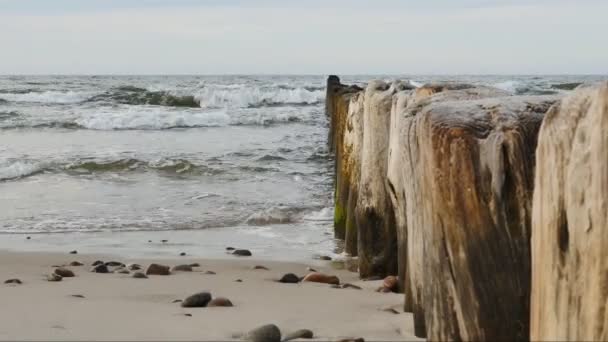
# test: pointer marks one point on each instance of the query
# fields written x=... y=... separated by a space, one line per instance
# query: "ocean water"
x=204 y=161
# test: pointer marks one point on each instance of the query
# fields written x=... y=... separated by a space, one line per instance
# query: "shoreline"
x=119 y=307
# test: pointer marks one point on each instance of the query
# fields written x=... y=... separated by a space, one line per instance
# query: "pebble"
x=198 y=300
x=74 y=252
x=220 y=302
x=391 y=283
x=164 y=241
x=156 y=269
x=289 y=278
x=260 y=267
x=210 y=272
x=76 y=263
x=177 y=301
x=149 y=241
x=265 y=333
x=115 y=264
x=360 y=339
x=302 y=333
x=181 y=268
x=77 y=296
x=54 y=277
x=188 y=315
x=317 y=277
x=351 y=286
x=239 y=280
x=230 y=248
x=134 y=267
x=391 y=310
x=64 y=272
x=241 y=252
x=325 y=257
x=28 y=238
x=100 y=268
x=139 y=275
x=98 y=262
x=196 y=264
x=13 y=281
x=182 y=254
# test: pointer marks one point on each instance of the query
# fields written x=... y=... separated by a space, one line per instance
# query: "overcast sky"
x=303 y=36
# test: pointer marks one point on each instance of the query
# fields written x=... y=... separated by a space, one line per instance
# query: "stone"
x=220 y=302
x=196 y=264
x=134 y=267
x=77 y=296
x=289 y=278
x=98 y=262
x=210 y=272
x=317 y=277
x=164 y=241
x=100 y=268
x=64 y=272
x=391 y=310
x=302 y=333
x=351 y=286
x=182 y=254
x=198 y=300
x=114 y=264
x=325 y=257
x=230 y=248
x=188 y=315
x=360 y=339
x=54 y=277
x=391 y=283
x=241 y=252
x=157 y=269
x=265 y=333
x=139 y=275
x=13 y=281
x=260 y=267
x=73 y=252
x=76 y=263
x=177 y=301
x=570 y=220
x=28 y=238
x=181 y=268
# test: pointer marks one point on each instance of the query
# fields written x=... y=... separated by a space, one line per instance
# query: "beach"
x=119 y=307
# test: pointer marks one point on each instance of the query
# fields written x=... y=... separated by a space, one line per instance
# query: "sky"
x=303 y=37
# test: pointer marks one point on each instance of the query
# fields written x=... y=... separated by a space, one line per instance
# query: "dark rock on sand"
x=139 y=275
x=74 y=252
x=351 y=286
x=134 y=267
x=260 y=267
x=28 y=238
x=54 y=277
x=177 y=301
x=360 y=339
x=230 y=248
x=157 y=269
x=265 y=333
x=210 y=272
x=164 y=241
x=13 y=281
x=198 y=300
x=188 y=315
x=302 y=333
x=100 y=268
x=64 y=272
x=289 y=278
x=239 y=281
x=220 y=302
x=324 y=257
x=317 y=277
x=391 y=283
x=241 y=252
x=115 y=264
x=77 y=296
x=98 y=262
x=390 y=310
x=196 y=264
x=76 y=263
x=182 y=254
x=181 y=268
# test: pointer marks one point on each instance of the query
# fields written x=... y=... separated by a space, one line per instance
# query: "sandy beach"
x=120 y=307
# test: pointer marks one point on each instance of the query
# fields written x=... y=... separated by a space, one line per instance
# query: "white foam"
x=151 y=119
x=325 y=214
x=48 y=97
x=510 y=86
x=18 y=169
x=240 y=97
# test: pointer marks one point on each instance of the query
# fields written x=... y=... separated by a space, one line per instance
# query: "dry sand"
x=119 y=307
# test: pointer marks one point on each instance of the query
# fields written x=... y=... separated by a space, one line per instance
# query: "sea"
x=118 y=164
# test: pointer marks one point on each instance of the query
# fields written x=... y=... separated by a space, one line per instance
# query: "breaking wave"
x=58 y=97
x=19 y=169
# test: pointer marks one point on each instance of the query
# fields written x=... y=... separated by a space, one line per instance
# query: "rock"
x=28 y=238
x=115 y=264
x=139 y=275
x=391 y=283
x=210 y=272
x=13 y=281
x=265 y=333
x=98 y=262
x=198 y=300
x=289 y=278
x=570 y=220
x=134 y=267
x=100 y=268
x=196 y=264
x=324 y=257
x=220 y=302
x=317 y=277
x=182 y=254
x=54 y=277
x=157 y=269
x=351 y=286
x=64 y=272
x=76 y=263
x=74 y=252
x=230 y=248
x=188 y=315
x=164 y=241
x=181 y=268
x=360 y=339
x=177 y=301
x=77 y=296
x=260 y=267
x=241 y=252
x=239 y=280
x=302 y=333
x=335 y=286
x=391 y=310
x=149 y=241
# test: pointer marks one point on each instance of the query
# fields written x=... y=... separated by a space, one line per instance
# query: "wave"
x=523 y=88
x=18 y=170
x=566 y=86
x=254 y=97
x=132 y=95
x=151 y=120
x=57 y=97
